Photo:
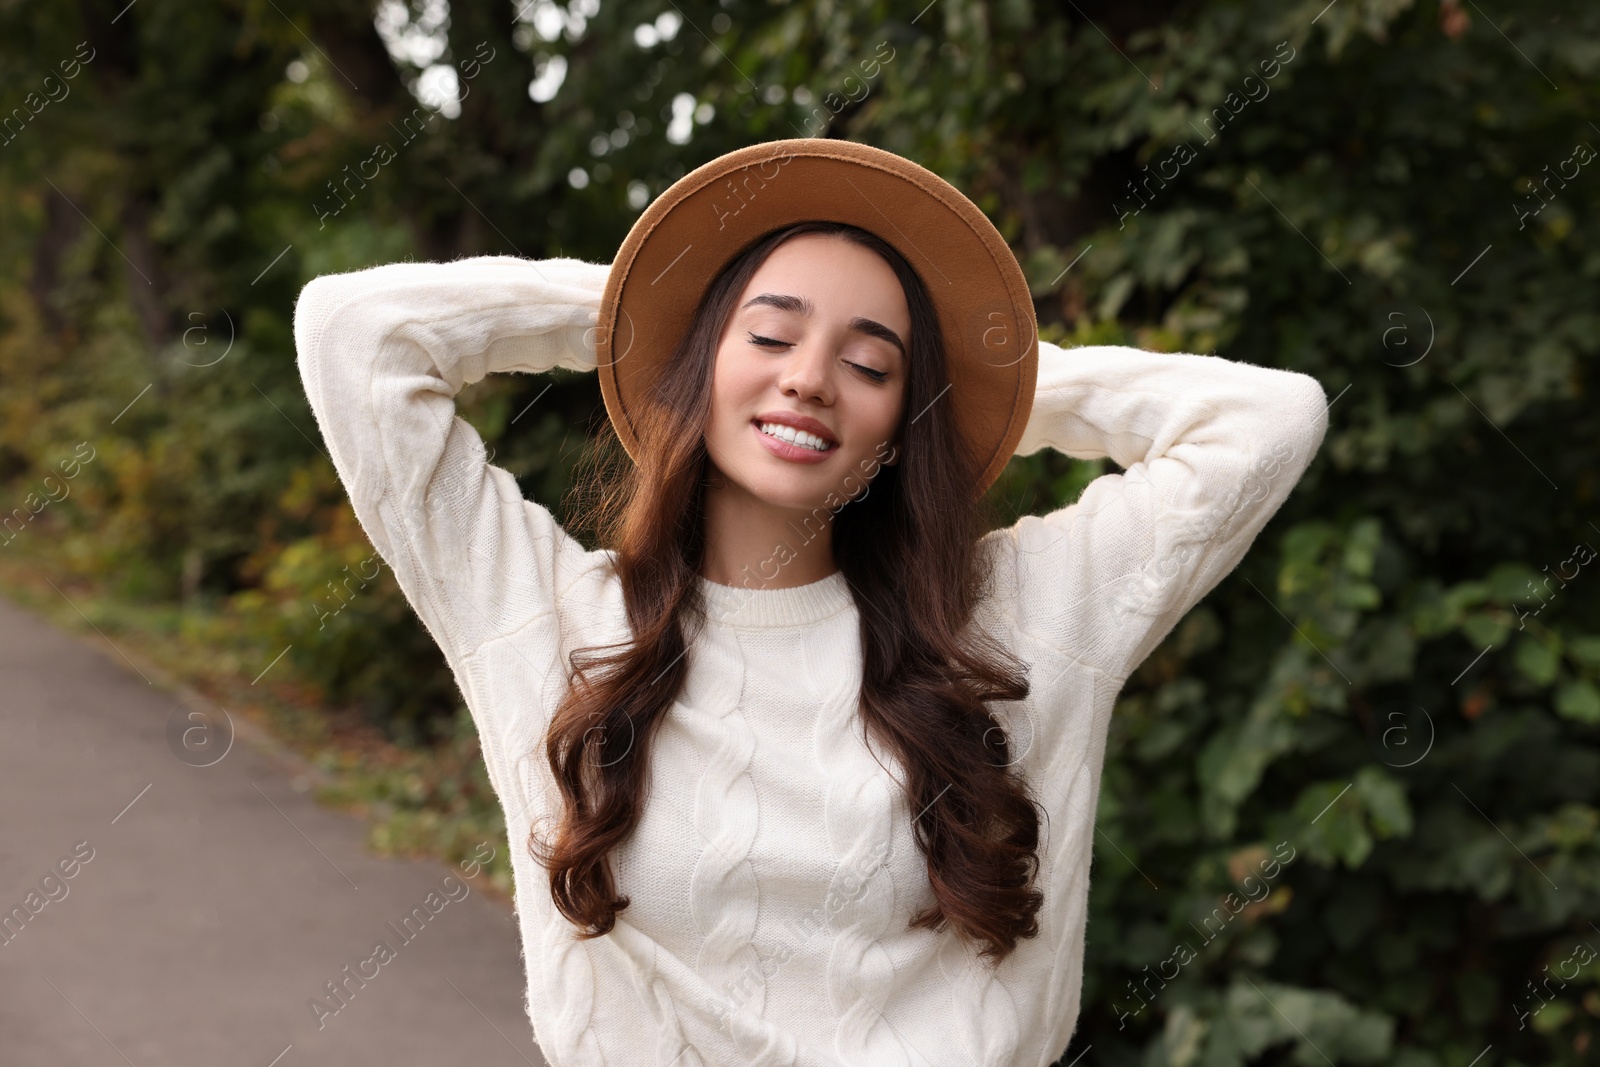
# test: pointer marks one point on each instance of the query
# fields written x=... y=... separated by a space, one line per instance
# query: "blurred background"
x=1398 y=198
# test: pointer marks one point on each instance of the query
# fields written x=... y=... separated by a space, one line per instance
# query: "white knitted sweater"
x=774 y=873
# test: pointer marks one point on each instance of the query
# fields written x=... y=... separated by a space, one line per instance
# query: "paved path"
x=207 y=906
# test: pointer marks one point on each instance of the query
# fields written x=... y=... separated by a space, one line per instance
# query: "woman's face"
x=819 y=341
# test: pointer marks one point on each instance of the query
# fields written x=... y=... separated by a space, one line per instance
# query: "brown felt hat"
x=690 y=232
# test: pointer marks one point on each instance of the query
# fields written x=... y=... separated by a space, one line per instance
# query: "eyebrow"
x=784 y=302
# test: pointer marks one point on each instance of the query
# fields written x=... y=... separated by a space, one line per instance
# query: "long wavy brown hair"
x=908 y=548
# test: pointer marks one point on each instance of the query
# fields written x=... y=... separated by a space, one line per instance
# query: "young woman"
x=804 y=759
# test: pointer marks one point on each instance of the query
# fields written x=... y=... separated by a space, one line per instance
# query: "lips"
x=785 y=450
x=795 y=438
x=799 y=422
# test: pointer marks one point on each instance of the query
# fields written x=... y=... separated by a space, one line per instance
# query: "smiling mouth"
x=798 y=438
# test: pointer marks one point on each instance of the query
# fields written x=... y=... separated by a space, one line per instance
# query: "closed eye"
x=768 y=342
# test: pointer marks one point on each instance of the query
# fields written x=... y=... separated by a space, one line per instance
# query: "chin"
x=795 y=489
x=791 y=493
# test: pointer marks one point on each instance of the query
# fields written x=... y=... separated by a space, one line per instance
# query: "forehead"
x=836 y=275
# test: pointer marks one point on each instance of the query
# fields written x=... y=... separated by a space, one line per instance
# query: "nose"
x=808 y=373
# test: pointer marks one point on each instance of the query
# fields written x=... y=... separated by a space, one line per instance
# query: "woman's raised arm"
x=1210 y=448
x=382 y=353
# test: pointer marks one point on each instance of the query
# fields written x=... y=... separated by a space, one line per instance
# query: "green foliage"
x=1401 y=683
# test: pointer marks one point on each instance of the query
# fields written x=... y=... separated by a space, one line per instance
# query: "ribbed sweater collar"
x=799 y=605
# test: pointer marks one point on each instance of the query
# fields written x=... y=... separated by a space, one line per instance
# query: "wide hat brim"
x=690 y=232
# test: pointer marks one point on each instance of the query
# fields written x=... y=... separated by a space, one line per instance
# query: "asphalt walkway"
x=157 y=911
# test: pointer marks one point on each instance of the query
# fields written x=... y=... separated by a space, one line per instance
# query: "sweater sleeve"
x=1210 y=448
x=382 y=353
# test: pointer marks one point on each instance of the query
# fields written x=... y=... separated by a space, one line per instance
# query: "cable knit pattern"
x=723 y=893
x=859 y=807
x=774 y=872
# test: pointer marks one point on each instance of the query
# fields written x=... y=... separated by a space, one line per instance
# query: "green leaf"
x=1552 y=1016
x=1579 y=701
x=1465 y=595
x=1335 y=824
x=1537 y=660
x=1575 y=826
x=1304 y=543
x=1485 y=630
x=1385 y=802
x=1323 y=1026
x=1181 y=1037
x=1585 y=650
x=1363 y=596
x=1361 y=546
x=1347 y=836
x=1509 y=583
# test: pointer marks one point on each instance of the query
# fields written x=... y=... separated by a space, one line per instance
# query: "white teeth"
x=794 y=436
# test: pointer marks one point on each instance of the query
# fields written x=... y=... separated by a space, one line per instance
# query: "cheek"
x=885 y=414
x=874 y=417
x=734 y=389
